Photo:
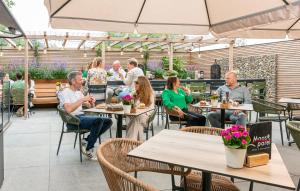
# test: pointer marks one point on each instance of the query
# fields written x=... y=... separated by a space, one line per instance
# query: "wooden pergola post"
x=170 y=56
x=26 y=80
x=231 y=55
x=103 y=52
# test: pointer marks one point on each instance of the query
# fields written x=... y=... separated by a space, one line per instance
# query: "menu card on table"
x=261 y=138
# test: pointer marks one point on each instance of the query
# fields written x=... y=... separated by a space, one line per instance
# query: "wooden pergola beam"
x=46 y=39
x=128 y=44
x=157 y=45
x=182 y=46
x=97 y=44
x=65 y=40
x=118 y=39
x=143 y=44
x=30 y=44
x=114 y=43
x=83 y=41
x=12 y=43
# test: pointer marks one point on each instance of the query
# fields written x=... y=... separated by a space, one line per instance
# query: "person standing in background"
x=97 y=74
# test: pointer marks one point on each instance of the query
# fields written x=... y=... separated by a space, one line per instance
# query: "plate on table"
x=101 y=106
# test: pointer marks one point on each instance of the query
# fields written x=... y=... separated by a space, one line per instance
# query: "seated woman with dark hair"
x=177 y=98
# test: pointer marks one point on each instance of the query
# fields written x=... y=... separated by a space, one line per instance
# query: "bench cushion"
x=44 y=100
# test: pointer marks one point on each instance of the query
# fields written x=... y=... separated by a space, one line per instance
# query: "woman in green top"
x=177 y=98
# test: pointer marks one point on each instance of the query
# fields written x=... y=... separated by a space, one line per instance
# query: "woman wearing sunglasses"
x=144 y=96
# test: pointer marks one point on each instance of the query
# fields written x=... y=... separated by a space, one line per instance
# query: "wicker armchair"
x=266 y=107
x=116 y=164
x=218 y=183
x=168 y=121
x=294 y=128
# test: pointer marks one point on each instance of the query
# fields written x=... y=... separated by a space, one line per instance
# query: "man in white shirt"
x=72 y=100
x=116 y=70
x=133 y=73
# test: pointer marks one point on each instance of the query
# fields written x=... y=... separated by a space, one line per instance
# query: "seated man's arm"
x=70 y=107
x=129 y=79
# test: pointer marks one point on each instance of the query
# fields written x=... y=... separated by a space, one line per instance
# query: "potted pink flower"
x=127 y=100
x=236 y=140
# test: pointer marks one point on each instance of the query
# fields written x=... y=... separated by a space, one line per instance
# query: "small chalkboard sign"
x=261 y=138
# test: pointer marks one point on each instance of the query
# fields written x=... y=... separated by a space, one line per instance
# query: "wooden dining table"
x=289 y=100
x=206 y=153
x=242 y=107
x=119 y=115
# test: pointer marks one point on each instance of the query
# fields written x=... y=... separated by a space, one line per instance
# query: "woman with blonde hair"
x=97 y=74
x=144 y=96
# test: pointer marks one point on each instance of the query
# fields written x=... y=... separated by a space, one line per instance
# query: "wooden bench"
x=45 y=94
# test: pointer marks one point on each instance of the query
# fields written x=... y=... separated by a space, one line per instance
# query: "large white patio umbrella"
x=277 y=30
x=168 y=16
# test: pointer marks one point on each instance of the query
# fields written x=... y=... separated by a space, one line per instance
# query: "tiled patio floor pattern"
x=31 y=163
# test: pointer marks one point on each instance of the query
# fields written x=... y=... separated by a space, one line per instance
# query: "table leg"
x=222 y=118
x=119 y=126
x=206 y=181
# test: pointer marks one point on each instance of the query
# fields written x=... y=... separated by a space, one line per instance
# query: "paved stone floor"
x=31 y=163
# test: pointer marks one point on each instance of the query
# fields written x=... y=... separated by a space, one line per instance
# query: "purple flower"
x=244 y=142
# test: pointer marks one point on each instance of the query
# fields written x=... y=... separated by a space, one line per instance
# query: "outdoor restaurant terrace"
x=154 y=95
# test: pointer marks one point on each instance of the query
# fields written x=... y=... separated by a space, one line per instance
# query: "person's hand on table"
x=89 y=101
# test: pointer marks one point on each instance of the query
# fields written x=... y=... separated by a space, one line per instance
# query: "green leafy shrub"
x=41 y=73
x=159 y=73
x=178 y=66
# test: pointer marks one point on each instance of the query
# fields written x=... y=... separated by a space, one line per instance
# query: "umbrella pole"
x=26 y=80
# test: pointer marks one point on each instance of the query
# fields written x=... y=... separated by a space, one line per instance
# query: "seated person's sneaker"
x=84 y=142
x=89 y=153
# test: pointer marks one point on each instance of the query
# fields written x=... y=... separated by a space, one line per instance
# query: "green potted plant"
x=236 y=140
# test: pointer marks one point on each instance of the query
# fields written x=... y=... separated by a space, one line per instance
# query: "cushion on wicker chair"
x=218 y=183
